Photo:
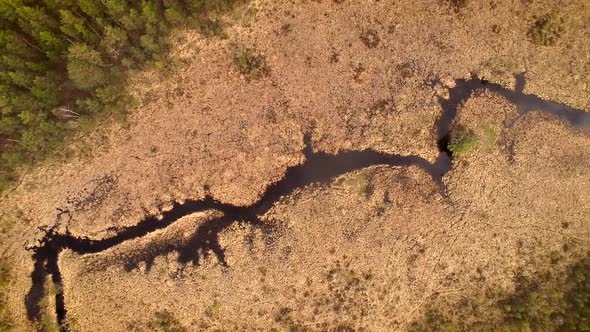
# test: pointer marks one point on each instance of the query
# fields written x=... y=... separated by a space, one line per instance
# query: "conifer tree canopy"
x=65 y=60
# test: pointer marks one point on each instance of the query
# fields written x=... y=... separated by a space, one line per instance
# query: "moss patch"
x=359 y=184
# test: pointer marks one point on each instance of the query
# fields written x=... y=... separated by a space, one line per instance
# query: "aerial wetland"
x=219 y=165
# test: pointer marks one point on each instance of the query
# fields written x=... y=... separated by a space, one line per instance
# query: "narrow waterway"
x=318 y=168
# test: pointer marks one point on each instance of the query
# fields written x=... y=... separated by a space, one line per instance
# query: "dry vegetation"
x=379 y=249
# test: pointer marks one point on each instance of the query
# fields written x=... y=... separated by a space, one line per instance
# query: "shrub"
x=577 y=314
x=216 y=307
x=501 y=68
x=251 y=64
x=547 y=30
x=463 y=142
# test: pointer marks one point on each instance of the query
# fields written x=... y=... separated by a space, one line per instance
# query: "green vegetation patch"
x=214 y=309
x=463 y=142
x=64 y=62
x=359 y=183
x=251 y=64
x=547 y=30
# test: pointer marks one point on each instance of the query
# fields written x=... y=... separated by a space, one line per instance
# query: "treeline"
x=64 y=61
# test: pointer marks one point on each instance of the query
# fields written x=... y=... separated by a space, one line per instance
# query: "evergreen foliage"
x=63 y=61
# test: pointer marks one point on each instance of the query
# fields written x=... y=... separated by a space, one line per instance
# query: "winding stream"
x=318 y=168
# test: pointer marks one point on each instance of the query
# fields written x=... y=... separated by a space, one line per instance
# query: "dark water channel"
x=317 y=168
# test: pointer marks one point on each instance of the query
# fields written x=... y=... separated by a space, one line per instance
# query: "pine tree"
x=52 y=44
x=115 y=42
x=75 y=28
x=45 y=90
x=150 y=12
x=6 y=96
x=8 y=11
x=12 y=62
x=34 y=20
x=136 y=55
x=149 y=43
x=14 y=44
x=117 y=9
x=9 y=125
x=174 y=12
x=56 y=5
x=85 y=67
x=21 y=78
x=133 y=21
x=21 y=101
x=42 y=136
x=92 y=8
